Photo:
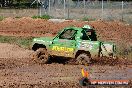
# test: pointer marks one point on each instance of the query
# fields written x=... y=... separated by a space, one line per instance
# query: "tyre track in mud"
x=17 y=70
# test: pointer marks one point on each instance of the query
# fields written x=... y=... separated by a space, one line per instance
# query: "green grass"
x=23 y=42
x=1 y=18
x=42 y=17
x=88 y=18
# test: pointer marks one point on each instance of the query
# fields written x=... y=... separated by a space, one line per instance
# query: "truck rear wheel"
x=41 y=55
x=83 y=59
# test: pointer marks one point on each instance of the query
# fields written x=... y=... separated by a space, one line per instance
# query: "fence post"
x=64 y=7
x=49 y=6
x=84 y=6
x=40 y=14
x=77 y=3
x=102 y=9
x=38 y=9
x=68 y=10
x=122 y=10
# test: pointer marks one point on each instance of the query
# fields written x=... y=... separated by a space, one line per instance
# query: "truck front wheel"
x=83 y=59
x=41 y=55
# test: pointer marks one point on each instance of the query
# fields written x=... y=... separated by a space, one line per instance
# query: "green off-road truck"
x=72 y=42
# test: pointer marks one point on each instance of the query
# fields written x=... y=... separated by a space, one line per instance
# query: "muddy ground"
x=18 y=70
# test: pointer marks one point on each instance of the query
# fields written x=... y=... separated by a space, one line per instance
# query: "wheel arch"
x=82 y=51
x=37 y=46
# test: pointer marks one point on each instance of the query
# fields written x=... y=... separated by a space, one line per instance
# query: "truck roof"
x=74 y=28
x=78 y=28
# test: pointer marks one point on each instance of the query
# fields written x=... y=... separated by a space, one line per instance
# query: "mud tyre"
x=83 y=59
x=41 y=56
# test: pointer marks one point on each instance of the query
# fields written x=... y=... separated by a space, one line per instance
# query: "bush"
x=42 y=17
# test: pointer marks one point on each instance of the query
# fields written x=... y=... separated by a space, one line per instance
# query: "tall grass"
x=23 y=42
x=1 y=18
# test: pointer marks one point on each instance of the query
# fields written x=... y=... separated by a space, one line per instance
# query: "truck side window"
x=68 y=34
x=84 y=36
x=92 y=35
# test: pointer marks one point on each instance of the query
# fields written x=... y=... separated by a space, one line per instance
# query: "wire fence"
x=106 y=10
x=79 y=9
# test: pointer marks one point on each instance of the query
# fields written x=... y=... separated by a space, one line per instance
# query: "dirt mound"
x=108 y=31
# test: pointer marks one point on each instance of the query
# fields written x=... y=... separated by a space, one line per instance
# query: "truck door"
x=64 y=44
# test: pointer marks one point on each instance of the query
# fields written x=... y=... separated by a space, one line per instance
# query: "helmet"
x=87 y=26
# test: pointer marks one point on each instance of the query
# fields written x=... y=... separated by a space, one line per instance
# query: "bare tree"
x=6 y=3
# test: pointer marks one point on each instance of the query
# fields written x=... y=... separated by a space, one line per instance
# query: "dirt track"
x=18 y=70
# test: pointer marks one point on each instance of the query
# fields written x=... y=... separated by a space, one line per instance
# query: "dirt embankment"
x=114 y=30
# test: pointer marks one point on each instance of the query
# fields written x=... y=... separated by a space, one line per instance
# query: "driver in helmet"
x=90 y=32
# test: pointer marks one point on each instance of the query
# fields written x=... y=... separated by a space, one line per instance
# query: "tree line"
x=15 y=3
x=27 y=3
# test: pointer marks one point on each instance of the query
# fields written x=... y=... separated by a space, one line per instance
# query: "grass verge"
x=42 y=17
x=23 y=42
x=88 y=18
x=1 y=18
